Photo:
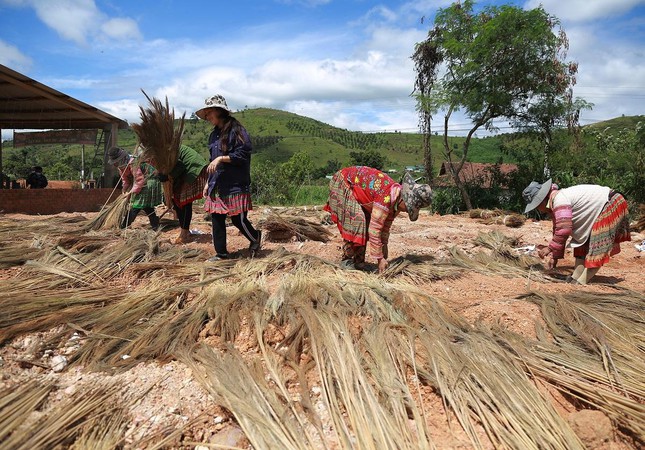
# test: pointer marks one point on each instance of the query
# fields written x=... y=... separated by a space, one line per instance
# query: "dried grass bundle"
x=509 y=220
x=86 y=243
x=485 y=213
x=421 y=269
x=17 y=254
x=240 y=386
x=34 y=311
x=160 y=139
x=595 y=353
x=110 y=217
x=157 y=134
x=18 y=403
x=60 y=427
x=281 y=228
x=477 y=377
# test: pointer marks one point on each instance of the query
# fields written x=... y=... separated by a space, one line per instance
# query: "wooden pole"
x=109 y=171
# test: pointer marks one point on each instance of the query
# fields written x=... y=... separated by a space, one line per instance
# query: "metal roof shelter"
x=27 y=104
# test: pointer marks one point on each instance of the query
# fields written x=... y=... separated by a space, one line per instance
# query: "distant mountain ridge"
x=277 y=135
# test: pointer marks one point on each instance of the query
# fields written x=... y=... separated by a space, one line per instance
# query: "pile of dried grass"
x=509 y=220
x=421 y=269
x=282 y=228
x=497 y=217
x=502 y=260
x=27 y=240
x=595 y=354
x=485 y=213
x=92 y=419
x=365 y=372
x=111 y=216
x=368 y=346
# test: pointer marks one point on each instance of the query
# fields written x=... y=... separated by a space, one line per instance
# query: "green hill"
x=618 y=123
x=277 y=135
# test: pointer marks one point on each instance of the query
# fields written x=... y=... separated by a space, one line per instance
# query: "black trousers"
x=240 y=221
x=185 y=215
x=134 y=212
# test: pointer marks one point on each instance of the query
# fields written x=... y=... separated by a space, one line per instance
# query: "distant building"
x=479 y=173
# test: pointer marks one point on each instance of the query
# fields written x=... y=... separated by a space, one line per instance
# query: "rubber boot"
x=587 y=275
x=579 y=267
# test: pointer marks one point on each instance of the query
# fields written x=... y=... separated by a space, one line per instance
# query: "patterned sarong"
x=231 y=205
x=608 y=231
x=186 y=193
x=151 y=194
x=346 y=212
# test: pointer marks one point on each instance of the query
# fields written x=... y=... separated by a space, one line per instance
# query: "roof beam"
x=28 y=85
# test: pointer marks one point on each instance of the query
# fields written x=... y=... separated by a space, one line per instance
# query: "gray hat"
x=415 y=196
x=535 y=193
x=118 y=156
x=216 y=101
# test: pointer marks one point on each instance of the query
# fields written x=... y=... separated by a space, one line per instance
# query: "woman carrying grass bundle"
x=181 y=169
x=228 y=191
x=140 y=185
x=363 y=202
x=595 y=217
x=188 y=178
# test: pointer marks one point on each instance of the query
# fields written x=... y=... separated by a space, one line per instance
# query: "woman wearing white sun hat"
x=228 y=191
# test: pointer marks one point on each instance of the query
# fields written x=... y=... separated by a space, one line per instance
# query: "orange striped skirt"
x=608 y=231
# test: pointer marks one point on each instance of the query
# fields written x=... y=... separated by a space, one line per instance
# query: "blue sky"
x=344 y=62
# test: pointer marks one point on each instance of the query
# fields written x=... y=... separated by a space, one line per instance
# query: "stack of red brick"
x=54 y=201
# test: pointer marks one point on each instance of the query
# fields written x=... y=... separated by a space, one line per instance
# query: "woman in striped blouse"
x=594 y=217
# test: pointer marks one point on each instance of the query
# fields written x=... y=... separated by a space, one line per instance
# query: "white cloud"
x=123 y=109
x=11 y=56
x=121 y=28
x=584 y=10
x=79 y=20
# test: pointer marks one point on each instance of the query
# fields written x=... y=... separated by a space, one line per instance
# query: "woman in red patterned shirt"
x=595 y=217
x=363 y=202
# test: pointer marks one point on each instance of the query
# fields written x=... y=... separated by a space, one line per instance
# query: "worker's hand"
x=212 y=167
x=205 y=190
x=543 y=252
x=382 y=265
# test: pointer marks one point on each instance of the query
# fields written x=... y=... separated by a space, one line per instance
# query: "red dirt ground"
x=175 y=398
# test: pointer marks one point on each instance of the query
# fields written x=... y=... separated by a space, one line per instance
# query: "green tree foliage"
x=500 y=63
x=617 y=160
x=279 y=183
x=332 y=166
x=298 y=169
x=369 y=158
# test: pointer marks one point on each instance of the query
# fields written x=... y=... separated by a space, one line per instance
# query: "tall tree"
x=500 y=63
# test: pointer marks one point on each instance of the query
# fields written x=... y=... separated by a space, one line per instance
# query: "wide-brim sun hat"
x=535 y=193
x=216 y=101
x=415 y=196
x=118 y=156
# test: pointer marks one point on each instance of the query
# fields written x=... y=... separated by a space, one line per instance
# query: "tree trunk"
x=547 y=149
x=428 y=162
x=462 y=189
x=456 y=170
